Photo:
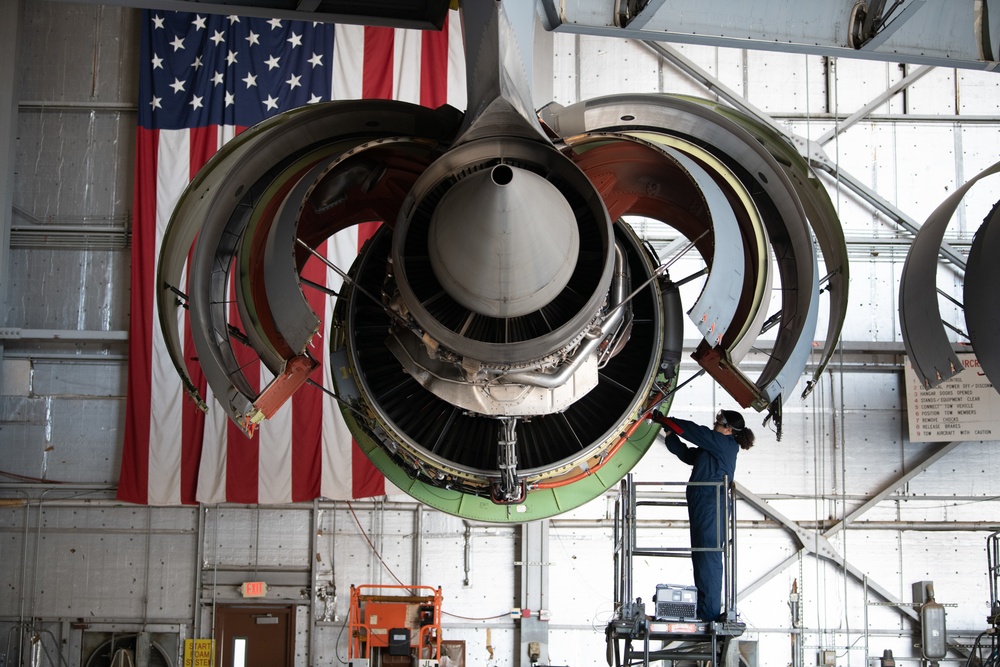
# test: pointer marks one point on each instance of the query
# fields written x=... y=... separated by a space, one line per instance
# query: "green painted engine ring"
x=538 y=504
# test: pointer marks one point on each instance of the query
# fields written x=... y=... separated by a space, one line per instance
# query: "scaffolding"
x=987 y=646
x=631 y=633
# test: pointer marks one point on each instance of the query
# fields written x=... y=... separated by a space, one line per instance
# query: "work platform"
x=635 y=637
x=644 y=641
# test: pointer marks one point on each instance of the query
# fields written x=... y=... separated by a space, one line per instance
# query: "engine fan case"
x=445 y=457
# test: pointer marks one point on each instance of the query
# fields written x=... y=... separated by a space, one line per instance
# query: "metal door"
x=254 y=636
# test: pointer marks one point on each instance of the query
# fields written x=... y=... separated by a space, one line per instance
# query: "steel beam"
x=875 y=103
x=890 y=488
x=818 y=158
x=702 y=76
x=425 y=15
x=819 y=545
x=14 y=333
x=534 y=593
x=812 y=151
x=10 y=27
x=931 y=32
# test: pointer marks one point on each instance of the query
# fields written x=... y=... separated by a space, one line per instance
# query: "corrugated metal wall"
x=75 y=563
x=63 y=403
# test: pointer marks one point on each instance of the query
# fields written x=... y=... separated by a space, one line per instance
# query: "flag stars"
x=233 y=18
x=270 y=71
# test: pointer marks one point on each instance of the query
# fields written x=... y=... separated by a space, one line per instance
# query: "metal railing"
x=634 y=497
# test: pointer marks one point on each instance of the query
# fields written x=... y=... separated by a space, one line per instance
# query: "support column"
x=10 y=27
x=534 y=593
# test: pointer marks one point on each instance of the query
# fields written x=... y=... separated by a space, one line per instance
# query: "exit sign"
x=253 y=589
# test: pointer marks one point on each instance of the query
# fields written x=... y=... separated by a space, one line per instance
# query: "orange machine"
x=377 y=609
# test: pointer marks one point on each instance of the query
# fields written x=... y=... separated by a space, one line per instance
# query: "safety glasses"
x=720 y=420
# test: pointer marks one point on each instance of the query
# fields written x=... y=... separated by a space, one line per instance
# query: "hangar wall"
x=76 y=562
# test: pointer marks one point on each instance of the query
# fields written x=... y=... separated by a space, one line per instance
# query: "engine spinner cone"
x=503 y=242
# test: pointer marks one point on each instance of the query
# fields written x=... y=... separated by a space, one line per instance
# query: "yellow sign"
x=199 y=653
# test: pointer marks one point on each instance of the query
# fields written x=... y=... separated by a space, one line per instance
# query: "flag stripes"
x=203 y=80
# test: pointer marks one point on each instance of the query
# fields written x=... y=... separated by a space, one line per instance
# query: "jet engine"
x=499 y=341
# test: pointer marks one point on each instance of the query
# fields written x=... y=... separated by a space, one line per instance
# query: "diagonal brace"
x=875 y=103
x=820 y=546
x=812 y=151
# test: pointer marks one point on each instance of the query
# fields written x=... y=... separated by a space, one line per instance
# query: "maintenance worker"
x=713 y=459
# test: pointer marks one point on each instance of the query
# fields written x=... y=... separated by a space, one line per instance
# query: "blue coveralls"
x=712 y=459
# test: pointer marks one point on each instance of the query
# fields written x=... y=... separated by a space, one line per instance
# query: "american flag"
x=204 y=79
